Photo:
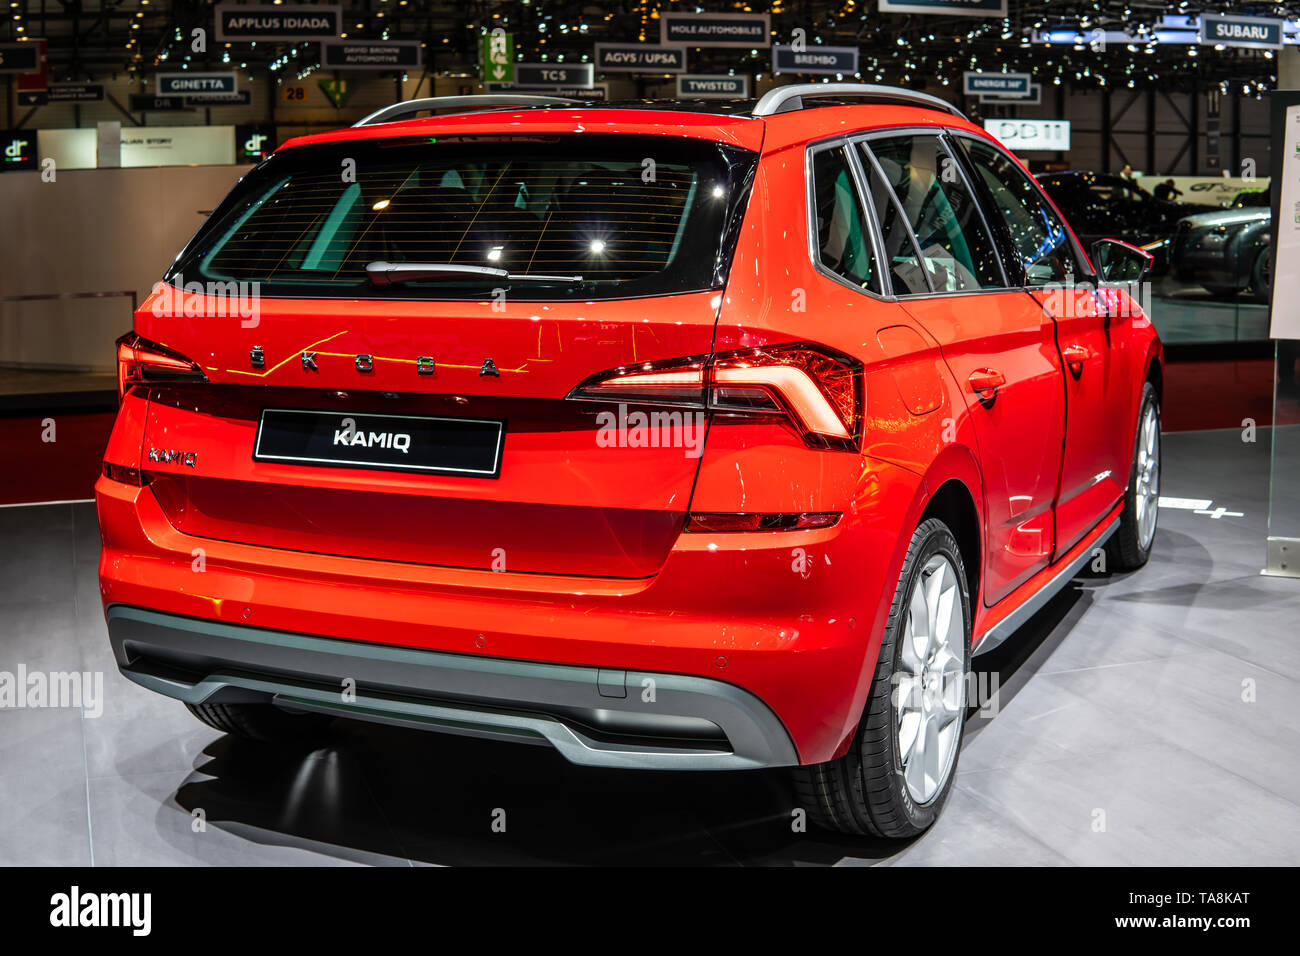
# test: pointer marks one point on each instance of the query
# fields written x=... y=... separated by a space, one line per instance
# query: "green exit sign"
x=498 y=57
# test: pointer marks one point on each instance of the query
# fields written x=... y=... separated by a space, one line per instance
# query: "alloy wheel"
x=1148 y=477
x=931 y=679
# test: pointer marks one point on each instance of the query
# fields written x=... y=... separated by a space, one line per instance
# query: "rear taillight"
x=734 y=522
x=819 y=391
x=140 y=361
x=128 y=476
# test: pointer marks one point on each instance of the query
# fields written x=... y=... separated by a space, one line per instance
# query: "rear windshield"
x=590 y=216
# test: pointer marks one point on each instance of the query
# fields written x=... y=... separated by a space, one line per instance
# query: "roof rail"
x=787 y=99
x=470 y=103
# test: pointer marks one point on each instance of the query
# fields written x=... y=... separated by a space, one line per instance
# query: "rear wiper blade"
x=396 y=273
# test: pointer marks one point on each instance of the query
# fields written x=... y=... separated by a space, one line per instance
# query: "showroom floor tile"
x=1140 y=719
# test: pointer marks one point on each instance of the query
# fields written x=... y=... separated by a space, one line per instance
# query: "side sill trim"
x=1002 y=630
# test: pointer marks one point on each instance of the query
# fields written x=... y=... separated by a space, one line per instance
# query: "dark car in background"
x=1104 y=206
x=1228 y=251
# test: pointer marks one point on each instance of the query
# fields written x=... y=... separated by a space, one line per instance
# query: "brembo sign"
x=264 y=22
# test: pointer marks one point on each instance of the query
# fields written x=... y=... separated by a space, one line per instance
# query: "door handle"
x=985 y=383
x=1074 y=356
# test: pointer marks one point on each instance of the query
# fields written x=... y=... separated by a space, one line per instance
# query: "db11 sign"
x=1021 y=136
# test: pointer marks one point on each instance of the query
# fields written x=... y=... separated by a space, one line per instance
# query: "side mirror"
x=1118 y=261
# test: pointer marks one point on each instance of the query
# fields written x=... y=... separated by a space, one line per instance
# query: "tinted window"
x=905 y=269
x=626 y=215
x=1036 y=232
x=955 y=245
x=843 y=239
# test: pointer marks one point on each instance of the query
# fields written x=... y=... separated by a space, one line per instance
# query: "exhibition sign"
x=1020 y=135
x=20 y=57
x=554 y=74
x=1206 y=190
x=497 y=56
x=597 y=91
x=715 y=29
x=242 y=21
x=1254 y=33
x=1002 y=85
x=699 y=87
x=197 y=84
x=949 y=8
x=640 y=58
x=371 y=55
x=831 y=60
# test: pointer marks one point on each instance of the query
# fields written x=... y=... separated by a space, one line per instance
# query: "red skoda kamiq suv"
x=671 y=436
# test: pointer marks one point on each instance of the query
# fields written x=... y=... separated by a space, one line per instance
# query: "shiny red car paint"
x=597 y=569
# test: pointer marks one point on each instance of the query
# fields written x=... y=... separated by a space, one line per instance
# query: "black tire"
x=264 y=723
x=1124 y=550
x=864 y=792
x=1261 y=284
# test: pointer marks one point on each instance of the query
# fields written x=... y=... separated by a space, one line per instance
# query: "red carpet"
x=61 y=470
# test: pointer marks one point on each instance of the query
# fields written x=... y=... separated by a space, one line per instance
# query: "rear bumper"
x=601 y=717
x=789 y=619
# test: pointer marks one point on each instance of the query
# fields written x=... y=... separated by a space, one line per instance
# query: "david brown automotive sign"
x=949 y=8
x=1253 y=32
x=698 y=87
x=370 y=55
x=835 y=60
x=240 y=21
x=196 y=84
x=640 y=58
x=1003 y=85
x=715 y=29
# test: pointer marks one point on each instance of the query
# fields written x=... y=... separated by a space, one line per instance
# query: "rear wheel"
x=265 y=723
x=1130 y=546
x=897 y=773
x=1261 y=277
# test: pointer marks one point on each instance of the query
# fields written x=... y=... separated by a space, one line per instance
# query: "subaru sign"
x=1252 y=32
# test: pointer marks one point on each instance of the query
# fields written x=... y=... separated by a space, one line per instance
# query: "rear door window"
x=955 y=244
x=843 y=236
x=595 y=216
